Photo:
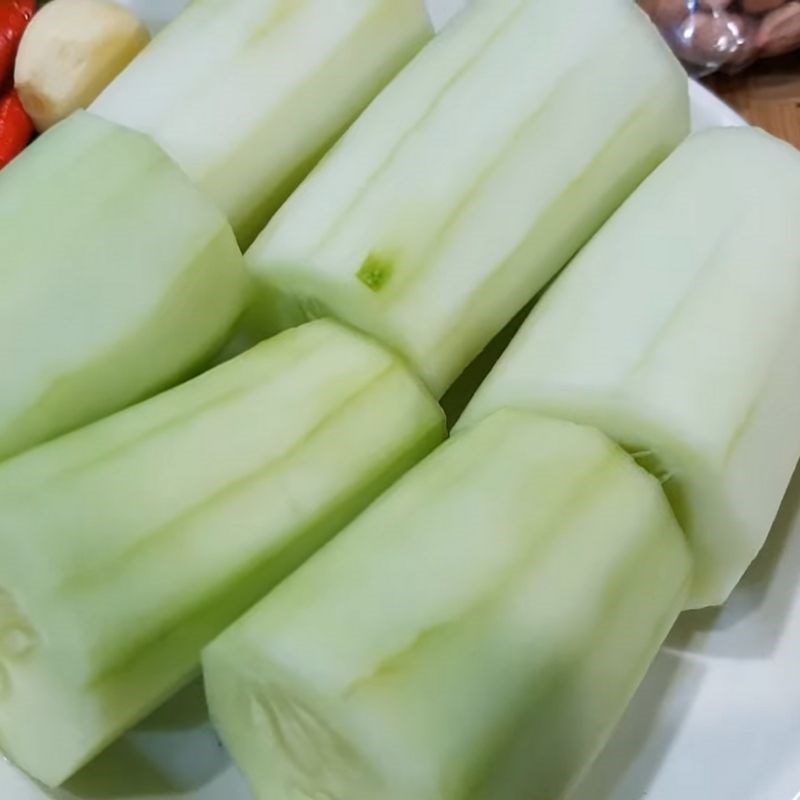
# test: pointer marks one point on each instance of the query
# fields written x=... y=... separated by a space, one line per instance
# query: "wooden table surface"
x=767 y=94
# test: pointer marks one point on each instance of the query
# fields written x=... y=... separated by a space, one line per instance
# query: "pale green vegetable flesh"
x=117 y=278
x=474 y=177
x=676 y=332
x=474 y=635
x=246 y=95
x=130 y=544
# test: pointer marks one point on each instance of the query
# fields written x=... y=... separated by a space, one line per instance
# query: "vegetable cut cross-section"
x=246 y=95
x=117 y=278
x=676 y=332
x=474 y=635
x=129 y=545
x=473 y=178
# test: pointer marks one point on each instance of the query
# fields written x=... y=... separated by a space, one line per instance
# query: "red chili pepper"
x=16 y=128
x=14 y=18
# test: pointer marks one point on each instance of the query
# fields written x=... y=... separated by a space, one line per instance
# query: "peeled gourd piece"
x=474 y=177
x=474 y=635
x=117 y=278
x=676 y=332
x=247 y=95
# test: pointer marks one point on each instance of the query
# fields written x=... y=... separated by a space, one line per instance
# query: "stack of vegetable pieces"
x=136 y=278
x=529 y=553
x=480 y=629
x=472 y=635
x=197 y=502
x=129 y=545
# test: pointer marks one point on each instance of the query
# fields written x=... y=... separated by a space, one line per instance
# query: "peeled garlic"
x=70 y=52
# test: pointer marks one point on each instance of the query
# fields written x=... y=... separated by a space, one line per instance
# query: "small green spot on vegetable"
x=375 y=272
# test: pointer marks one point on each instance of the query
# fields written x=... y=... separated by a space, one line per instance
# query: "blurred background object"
x=710 y=35
x=746 y=51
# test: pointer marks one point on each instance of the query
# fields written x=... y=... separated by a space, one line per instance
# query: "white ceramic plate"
x=718 y=717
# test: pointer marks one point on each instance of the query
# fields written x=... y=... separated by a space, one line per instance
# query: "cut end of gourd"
x=292 y=746
x=115 y=320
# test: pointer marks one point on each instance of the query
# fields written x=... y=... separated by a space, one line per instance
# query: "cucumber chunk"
x=474 y=177
x=246 y=95
x=474 y=635
x=129 y=545
x=675 y=331
x=117 y=278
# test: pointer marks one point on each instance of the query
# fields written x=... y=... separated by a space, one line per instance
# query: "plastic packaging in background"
x=728 y=35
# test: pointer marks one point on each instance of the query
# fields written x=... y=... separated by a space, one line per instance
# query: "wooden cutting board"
x=767 y=95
